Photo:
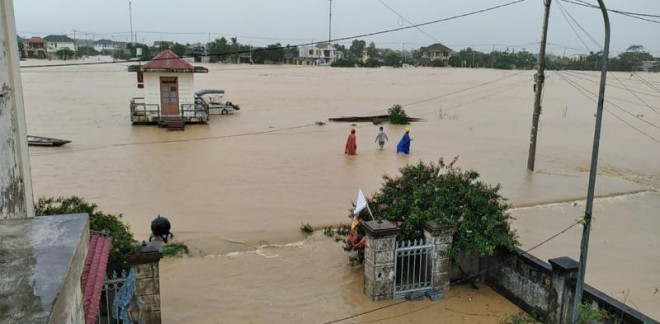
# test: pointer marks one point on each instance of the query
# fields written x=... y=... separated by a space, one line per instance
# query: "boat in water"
x=45 y=141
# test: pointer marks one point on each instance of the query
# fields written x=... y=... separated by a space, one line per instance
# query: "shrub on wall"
x=450 y=195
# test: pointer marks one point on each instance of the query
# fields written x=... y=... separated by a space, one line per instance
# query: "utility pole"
x=330 y=24
x=584 y=246
x=130 y=17
x=538 y=89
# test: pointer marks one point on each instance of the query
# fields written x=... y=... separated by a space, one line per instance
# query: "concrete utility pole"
x=584 y=246
x=16 y=199
x=130 y=18
x=330 y=24
x=538 y=89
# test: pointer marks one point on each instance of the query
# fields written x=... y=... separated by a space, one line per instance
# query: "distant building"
x=318 y=54
x=84 y=43
x=434 y=52
x=55 y=43
x=106 y=45
x=35 y=47
x=163 y=44
x=577 y=57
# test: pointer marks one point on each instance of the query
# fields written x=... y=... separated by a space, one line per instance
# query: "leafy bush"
x=520 y=318
x=590 y=315
x=107 y=224
x=397 y=115
x=450 y=195
x=175 y=250
x=346 y=62
x=319 y=123
x=306 y=229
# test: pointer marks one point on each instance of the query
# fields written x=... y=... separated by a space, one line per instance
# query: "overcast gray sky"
x=260 y=22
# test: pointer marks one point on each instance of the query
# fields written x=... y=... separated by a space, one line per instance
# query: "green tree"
x=86 y=51
x=357 y=47
x=449 y=195
x=107 y=224
x=372 y=51
x=178 y=49
x=65 y=53
x=632 y=58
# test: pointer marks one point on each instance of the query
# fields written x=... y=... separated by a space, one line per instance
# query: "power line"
x=517 y=254
x=579 y=25
x=635 y=15
x=635 y=95
x=471 y=13
x=408 y=21
x=563 y=12
x=572 y=73
x=611 y=113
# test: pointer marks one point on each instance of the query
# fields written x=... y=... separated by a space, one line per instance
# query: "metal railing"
x=413 y=267
x=141 y=109
x=194 y=111
x=111 y=287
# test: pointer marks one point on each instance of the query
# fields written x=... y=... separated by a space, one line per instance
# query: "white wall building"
x=319 y=54
x=55 y=43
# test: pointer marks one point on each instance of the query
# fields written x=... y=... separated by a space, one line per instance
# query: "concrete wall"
x=152 y=87
x=69 y=305
x=547 y=289
x=147 y=282
x=15 y=180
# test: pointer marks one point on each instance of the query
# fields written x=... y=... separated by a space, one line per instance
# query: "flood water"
x=249 y=180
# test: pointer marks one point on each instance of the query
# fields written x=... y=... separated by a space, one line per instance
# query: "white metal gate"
x=413 y=268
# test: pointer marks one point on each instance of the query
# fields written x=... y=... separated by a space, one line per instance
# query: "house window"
x=311 y=52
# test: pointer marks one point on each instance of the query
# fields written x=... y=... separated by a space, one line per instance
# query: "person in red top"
x=351 y=144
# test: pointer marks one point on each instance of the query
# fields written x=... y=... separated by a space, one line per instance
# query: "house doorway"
x=169 y=96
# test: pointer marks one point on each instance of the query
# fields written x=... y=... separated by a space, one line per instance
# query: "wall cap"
x=437 y=228
x=564 y=264
x=379 y=228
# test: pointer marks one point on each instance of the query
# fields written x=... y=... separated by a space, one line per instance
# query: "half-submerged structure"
x=169 y=98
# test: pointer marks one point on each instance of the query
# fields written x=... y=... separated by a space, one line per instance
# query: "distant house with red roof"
x=168 y=86
x=34 y=47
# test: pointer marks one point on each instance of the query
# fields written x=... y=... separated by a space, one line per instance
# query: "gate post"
x=562 y=294
x=147 y=282
x=379 y=259
x=441 y=235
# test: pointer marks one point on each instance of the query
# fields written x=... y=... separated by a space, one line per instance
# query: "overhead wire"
x=576 y=87
x=408 y=21
x=260 y=49
x=635 y=15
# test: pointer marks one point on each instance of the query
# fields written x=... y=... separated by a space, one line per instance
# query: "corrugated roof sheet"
x=94 y=274
x=167 y=60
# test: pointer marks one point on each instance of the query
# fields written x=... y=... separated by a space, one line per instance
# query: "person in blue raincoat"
x=404 y=143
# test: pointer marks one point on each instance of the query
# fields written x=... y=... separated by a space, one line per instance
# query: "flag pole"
x=369 y=210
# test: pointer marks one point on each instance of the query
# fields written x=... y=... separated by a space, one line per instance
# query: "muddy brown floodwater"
x=245 y=182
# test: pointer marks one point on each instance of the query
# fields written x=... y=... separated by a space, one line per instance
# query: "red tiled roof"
x=35 y=39
x=167 y=60
x=94 y=274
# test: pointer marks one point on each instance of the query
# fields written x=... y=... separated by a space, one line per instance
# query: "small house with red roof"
x=169 y=98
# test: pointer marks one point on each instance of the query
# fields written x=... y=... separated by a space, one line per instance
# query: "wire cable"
x=610 y=112
x=408 y=21
x=635 y=15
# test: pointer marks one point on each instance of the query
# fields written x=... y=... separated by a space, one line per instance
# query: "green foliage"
x=86 y=51
x=520 y=318
x=450 y=195
x=343 y=230
x=372 y=62
x=393 y=59
x=65 y=53
x=397 y=115
x=589 y=315
x=107 y=224
x=319 y=123
x=175 y=250
x=273 y=53
x=178 y=49
x=438 y=63
x=306 y=229
x=328 y=231
x=357 y=47
x=346 y=62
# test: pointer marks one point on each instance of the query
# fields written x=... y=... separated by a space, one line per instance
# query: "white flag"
x=360 y=204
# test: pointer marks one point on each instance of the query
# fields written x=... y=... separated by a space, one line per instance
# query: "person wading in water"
x=381 y=138
x=351 y=144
